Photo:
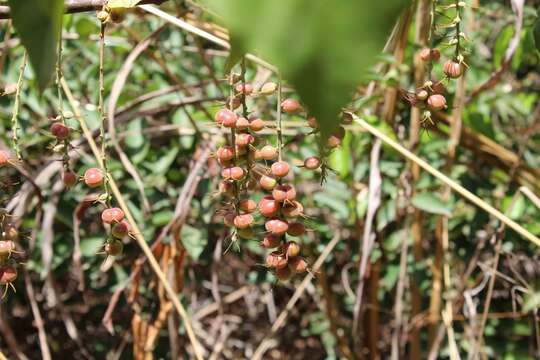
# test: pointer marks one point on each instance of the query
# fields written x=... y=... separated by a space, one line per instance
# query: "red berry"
x=93 y=177
x=436 y=102
x=243 y=221
x=453 y=69
x=114 y=247
x=284 y=192
x=242 y=123
x=276 y=260
x=267 y=182
x=247 y=205
x=312 y=163
x=290 y=106
x=276 y=226
x=284 y=274
x=280 y=169
x=257 y=125
x=293 y=249
x=244 y=139
x=112 y=215
x=60 y=131
x=268 y=152
x=245 y=88
x=225 y=116
x=296 y=229
x=268 y=207
x=297 y=264
x=69 y=178
x=225 y=153
x=8 y=274
x=4 y=158
x=271 y=241
x=120 y=229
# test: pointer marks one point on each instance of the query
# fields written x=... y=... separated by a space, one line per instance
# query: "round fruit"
x=234 y=173
x=268 y=88
x=290 y=106
x=112 y=215
x=8 y=274
x=284 y=274
x=69 y=178
x=242 y=123
x=6 y=247
x=436 y=102
x=268 y=152
x=284 y=192
x=103 y=16
x=120 y=229
x=267 y=182
x=225 y=115
x=453 y=69
x=333 y=142
x=293 y=209
x=93 y=177
x=257 y=125
x=243 y=221
x=298 y=265
x=312 y=163
x=225 y=153
x=114 y=247
x=296 y=229
x=280 y=169
x=247 y=205
x=422 y=95
x=245 y=88
x=276 y=226
x=60 y=131
x=276 y=260
x=268 y=207
x=430 y=54
x=293 y=249
x=271 y=241
x=4 y=158
x=312 y=122
x=244 y=139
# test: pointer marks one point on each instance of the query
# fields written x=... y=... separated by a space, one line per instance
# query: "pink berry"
x=242 y=123
x=268 y=152
x=234 y=173
x=225 y=153
x=312 y=122
x=284 y=192
x=6 y=247
x=243 y=221
x=276 y=260
x=247 y=205
x=225 y=116
x=93 y=177
x=453 y=69
x=244 y=139
x=267 y=182
x=112 y=215
x=8 y=274
x=290 y=106
x=312 y=163
x=436 y=102
x=276 y=226
x=298 y=265
x=280 y=169
x=245 y=88
x=268 y=207
x=257 y=125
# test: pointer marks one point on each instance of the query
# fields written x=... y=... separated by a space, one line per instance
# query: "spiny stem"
x=233 y=143
x=59 y=75
x=278 y=120
x=16 y=108
x=101 y=110
x=458 y=29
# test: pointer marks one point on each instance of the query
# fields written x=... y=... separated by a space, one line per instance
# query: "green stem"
x=16 y=108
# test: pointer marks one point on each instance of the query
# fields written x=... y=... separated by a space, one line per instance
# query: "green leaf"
x=431 y=203
x=323 y=48
x=38 y=24
x=194 y=240
x=236 y=53
x=122 y=4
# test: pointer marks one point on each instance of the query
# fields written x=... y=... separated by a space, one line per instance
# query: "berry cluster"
x=8 y=263
x=250 y=164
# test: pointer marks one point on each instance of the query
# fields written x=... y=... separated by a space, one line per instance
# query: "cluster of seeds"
x=8 y=263
x=249 y=163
